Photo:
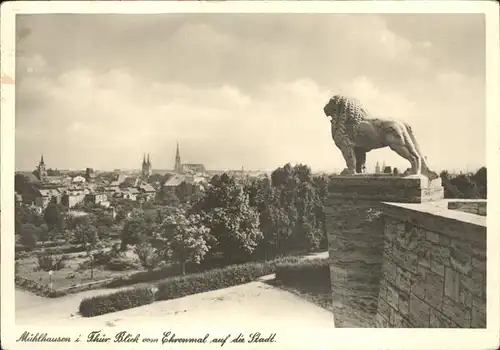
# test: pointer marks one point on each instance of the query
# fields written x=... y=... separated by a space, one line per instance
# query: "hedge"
x=146 y=276
x=229 y=276
x=177 y=286
x=122 y=300
x=314 y=272
x=37 y=288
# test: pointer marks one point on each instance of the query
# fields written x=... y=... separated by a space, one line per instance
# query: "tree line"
x=233 y=221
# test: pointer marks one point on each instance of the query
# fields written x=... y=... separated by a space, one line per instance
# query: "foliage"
x=54 y=217
x=30 y=234
x=469 y=186
x=121 y=263
x=134 y=230
x=233 y=223
x=148 y=255
x=387 y=170
x=291 y=210
x=85 y=231
x=121 y=300
x=146 y=276
x=184 y=238
x=26 y=215
x=21 y=183
x=50 y=262
x=314 y=272
x=229 y=276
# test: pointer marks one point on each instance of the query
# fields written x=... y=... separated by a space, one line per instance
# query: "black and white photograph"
x=236 y=166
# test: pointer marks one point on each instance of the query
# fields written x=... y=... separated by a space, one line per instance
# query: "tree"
x=481 y=179
x=148 y=256
x=21 y=183
x=184 y=238
x=53 y=216
x=26 y=215
x=85 y=231
x=467 y=187
x=233 y=223
x=170 y=199
x=29 y=235
x=387 y=170
x=134 y=230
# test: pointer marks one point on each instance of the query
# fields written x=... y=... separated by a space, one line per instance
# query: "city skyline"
x=248 y=97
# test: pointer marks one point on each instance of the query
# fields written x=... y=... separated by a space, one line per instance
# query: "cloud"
x=235 y=90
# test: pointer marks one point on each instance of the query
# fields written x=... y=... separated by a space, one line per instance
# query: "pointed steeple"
x=41 y=160
x=178 y=164
x=149 y=161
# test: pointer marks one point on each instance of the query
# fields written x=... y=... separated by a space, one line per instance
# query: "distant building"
x=90 y=175
x=97 y=198
x=78 y=180
x=131 y=181
x=193 y=168
x=19 y=198
x=377 y=168
x=184 y=185
x=178 y=164
x=130 y=193
x=147 y=191
x=41 y=170
x=187 y=168
x=73 y=197
x=147 y=168
x=46 y=196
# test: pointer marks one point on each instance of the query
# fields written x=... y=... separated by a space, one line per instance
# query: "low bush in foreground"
x=312 y=273
x=146 y=276
x=122 y=300
x=229 y=276
x=178 y=286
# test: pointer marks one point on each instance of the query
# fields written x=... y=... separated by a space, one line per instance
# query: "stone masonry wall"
x=356 y=241
x=477 y=207
x=434 y=270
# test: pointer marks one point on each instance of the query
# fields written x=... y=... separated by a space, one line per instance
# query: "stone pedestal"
x=356 y=238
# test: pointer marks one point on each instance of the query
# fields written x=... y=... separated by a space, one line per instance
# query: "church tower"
x=147 y=168
x=41 y=170
x=178 y=164
x=377 y=168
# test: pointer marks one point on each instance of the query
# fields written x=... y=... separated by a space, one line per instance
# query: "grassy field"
x=72 y=274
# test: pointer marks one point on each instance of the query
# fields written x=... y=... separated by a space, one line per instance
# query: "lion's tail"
x=425 y=166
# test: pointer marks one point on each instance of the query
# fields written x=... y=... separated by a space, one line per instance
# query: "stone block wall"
x=474 y=206
x=433 y=269
x=402 y=256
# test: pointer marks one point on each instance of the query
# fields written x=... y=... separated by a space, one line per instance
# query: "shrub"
x=148 y=256
x=121 y=264
x=147 y=276
x=127 y=299
x=229 y=276
x=315 y=272
x=47 y=261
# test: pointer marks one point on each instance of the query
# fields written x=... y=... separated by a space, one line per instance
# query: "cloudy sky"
x=242 y=90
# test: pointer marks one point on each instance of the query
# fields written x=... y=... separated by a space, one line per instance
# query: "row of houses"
x=41 y=195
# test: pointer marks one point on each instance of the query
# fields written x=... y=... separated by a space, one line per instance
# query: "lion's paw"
x=347 y=171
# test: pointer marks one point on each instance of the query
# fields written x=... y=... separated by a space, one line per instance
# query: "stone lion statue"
x=355 y=133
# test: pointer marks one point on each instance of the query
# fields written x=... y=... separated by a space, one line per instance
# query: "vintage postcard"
x=250 y=174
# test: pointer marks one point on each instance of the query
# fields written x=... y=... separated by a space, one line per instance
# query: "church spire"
x=148 y=161
x=41 y=160
x=178 y=164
